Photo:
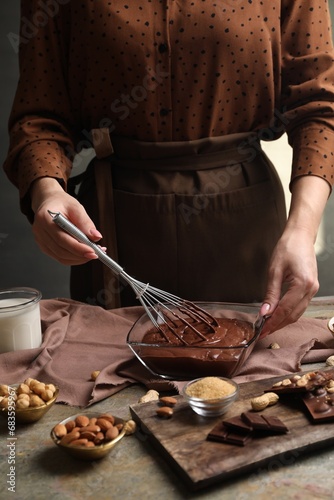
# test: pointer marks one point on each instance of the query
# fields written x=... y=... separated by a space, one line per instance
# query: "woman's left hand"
x=293 y=273
x=292 y=280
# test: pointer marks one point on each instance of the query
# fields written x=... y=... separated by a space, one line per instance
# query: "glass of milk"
x=20 y=321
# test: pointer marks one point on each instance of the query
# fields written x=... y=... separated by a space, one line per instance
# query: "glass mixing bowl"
x=176 y=361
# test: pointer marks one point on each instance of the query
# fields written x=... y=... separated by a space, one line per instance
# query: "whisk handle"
x=73 y=230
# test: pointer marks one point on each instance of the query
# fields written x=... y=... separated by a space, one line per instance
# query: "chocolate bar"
x=222 y=434
x=320 y=405
x=240 y=429
x=304 y=383
x=269 y=424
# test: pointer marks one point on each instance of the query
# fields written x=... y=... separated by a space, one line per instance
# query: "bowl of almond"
x=29 y=401
x=90 y=436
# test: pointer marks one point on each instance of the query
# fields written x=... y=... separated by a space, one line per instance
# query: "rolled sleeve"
x=308 y=87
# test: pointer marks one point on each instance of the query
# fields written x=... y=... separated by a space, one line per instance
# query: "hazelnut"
x=130 y=427
x=330 y=361
x=50 y=387
x=22 y=403
x=151 y=395
x=36 y=401
x=46 y=395
x=23 y=389
x=4 y=390
x=274 y=345
x=95 y=374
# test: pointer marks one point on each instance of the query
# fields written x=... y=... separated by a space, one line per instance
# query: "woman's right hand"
x=47 y=194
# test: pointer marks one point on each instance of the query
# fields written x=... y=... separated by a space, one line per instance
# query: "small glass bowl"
x=210 y=407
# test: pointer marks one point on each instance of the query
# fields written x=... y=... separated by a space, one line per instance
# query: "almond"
x=165 y=412
x=70 y=425
x=79 y=442
x=168 y=401
x=71 y=436
x=104 y=424
x=82 y=421
x=111 y=433
x=60 y=430
x=108 y=417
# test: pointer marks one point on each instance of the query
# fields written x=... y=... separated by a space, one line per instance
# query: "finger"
x=63 y=247
x=283 y=316
x=291 y=307
x=66 y=257
x=79 y=217
x=271 y=299
x=74 y=212
x=68 y=243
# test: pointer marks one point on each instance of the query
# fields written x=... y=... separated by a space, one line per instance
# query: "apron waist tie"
x=104 y=188
x=200 y=154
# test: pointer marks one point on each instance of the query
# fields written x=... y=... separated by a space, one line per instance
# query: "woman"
x=175 y=98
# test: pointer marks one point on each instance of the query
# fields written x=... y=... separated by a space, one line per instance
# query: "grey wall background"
x=21 y=261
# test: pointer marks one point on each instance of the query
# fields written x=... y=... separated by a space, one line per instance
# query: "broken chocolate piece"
x=267 y=423
x=240 y=429
x=238 y=424
x=275 y=424
x=254 y=420
x=222 y=434
x=320 y=407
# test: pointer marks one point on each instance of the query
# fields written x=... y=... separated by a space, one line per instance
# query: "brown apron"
x=199 y=219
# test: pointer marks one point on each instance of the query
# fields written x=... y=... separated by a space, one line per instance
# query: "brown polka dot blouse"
x=171 y=70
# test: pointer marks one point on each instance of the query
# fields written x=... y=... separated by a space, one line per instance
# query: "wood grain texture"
x=182 y=439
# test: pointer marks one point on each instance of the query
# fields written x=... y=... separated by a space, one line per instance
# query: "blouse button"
x=163 y=47
x=164 y=111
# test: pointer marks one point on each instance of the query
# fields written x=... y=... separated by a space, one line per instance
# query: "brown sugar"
x=210 y=388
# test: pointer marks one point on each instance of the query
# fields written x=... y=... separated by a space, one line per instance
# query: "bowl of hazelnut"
x=30 y=400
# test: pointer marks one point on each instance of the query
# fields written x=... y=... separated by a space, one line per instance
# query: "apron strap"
x=104 y=188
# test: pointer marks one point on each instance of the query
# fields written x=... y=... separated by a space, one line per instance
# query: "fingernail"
x=104 y=249
x=90 y=255
x=265 y=308
x=95 y=233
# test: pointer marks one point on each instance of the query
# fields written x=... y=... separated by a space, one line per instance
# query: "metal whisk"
x=161 y=307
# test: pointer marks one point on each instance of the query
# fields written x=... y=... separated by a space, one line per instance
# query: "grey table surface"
x=134 y=469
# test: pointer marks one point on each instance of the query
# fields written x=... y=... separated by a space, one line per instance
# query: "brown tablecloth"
x=79 y=338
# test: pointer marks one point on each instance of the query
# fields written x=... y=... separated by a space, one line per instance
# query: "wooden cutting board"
x=200 y=463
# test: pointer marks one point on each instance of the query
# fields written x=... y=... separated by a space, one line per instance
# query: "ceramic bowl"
x=31 y=414
x=175 y=361
x=83 y=453
x=210 y=407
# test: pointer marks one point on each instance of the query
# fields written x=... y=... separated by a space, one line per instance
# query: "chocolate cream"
x=225 y=333
x=186 y=354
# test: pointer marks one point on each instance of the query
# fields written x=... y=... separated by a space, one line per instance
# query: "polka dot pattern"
x=171 y=71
